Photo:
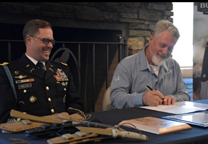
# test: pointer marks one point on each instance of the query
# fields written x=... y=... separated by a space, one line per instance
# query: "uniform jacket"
x=38 y=94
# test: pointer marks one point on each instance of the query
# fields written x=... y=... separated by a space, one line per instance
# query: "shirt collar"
x=145 y=65
x=33 y=60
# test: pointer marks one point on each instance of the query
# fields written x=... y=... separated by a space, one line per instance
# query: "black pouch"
x=51 y=130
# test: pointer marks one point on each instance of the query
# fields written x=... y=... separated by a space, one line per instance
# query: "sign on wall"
x=200 y=51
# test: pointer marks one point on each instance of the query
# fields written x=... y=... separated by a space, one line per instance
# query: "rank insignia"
x=24 y=81
x=20 y=76
x=4 y=63
x=33 y=99
x=61 y=76
x=32 y=70
x=64 y=63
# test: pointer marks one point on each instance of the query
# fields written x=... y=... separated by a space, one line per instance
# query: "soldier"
x=39 y=90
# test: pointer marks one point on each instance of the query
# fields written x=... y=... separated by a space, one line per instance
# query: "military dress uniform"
x=38 y=94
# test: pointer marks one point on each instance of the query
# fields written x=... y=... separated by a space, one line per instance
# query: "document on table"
x=195 y=118
x=179 y=107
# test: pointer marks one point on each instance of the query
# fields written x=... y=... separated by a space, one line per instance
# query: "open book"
x=179 y=107
x=155 y=125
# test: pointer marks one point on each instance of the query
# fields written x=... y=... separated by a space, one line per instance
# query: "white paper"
x=179 y=107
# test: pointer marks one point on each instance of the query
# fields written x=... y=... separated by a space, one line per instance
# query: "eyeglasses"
x=45 y=40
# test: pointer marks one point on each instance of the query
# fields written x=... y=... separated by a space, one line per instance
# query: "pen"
x=149 y=88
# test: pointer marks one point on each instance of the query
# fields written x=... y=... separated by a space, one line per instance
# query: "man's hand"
x=168 y=100
x=153 y=98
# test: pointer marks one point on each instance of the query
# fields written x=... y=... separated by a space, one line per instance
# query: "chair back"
x=106 y=103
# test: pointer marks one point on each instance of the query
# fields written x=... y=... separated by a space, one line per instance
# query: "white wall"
x=183 y=20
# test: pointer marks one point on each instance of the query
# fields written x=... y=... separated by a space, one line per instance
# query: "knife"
x=87 y=123
x=114 y=133
x=46 y=119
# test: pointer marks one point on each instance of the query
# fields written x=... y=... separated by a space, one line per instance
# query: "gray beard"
x=156 y=61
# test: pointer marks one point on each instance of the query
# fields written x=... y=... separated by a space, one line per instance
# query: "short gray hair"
x=163 y=25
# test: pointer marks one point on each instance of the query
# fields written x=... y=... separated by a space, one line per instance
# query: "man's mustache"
x=47 y=48
x=162 y=55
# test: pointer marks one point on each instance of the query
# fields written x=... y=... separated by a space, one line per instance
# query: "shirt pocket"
x=61 y=88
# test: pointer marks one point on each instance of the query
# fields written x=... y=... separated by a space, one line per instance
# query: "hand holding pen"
x=152 y=97
x=149 y=88
x=157 y=97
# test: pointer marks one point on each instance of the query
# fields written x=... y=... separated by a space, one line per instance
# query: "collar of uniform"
x=35 y=61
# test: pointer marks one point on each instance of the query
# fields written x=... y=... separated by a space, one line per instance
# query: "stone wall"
x=140 y=17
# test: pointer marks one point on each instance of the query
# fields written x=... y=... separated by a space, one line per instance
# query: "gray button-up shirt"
x=132 y=75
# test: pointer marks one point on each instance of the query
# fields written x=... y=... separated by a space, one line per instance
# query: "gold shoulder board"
x=4 y=63
x=64 y=63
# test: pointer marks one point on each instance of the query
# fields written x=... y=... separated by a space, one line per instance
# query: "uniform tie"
x=41 y=68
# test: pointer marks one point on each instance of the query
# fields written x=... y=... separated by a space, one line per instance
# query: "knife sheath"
x=45 y=119
x=73 y=138
x=19 y=126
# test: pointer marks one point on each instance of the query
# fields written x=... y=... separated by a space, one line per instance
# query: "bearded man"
x=151 y=68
